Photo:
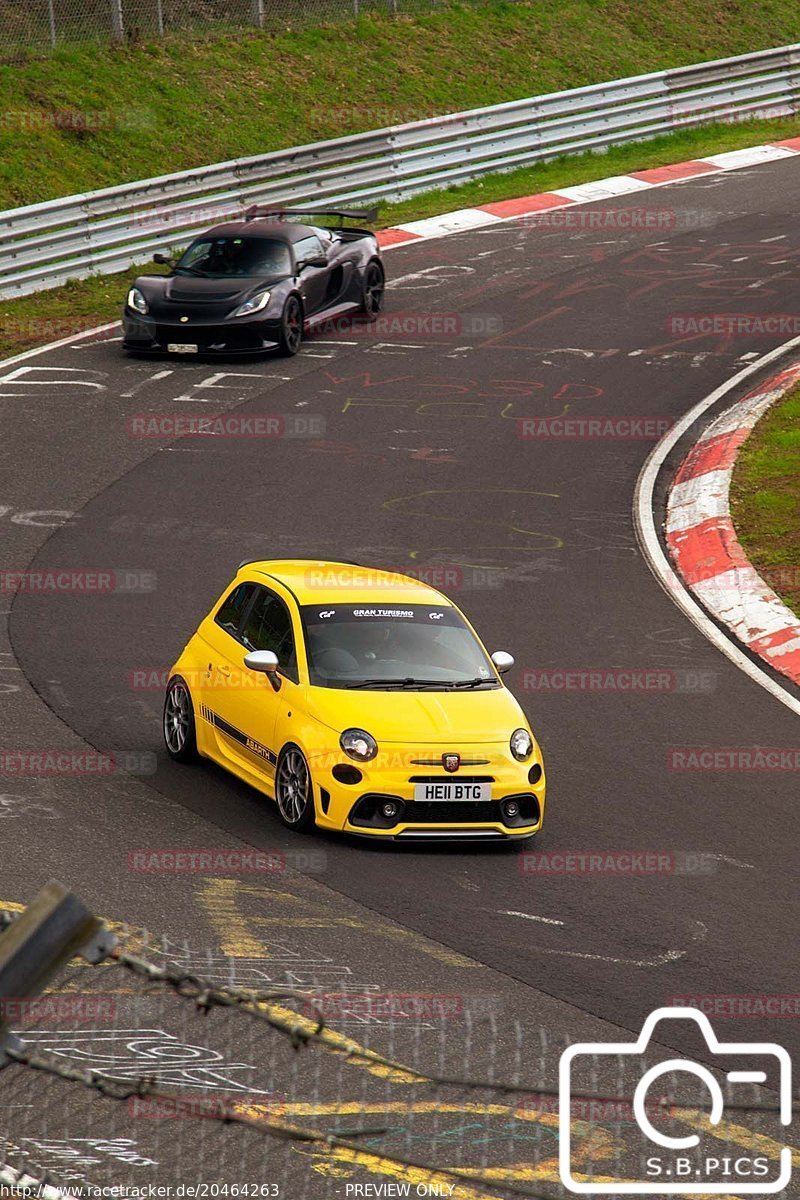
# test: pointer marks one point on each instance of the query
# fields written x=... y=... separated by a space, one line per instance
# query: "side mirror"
x=319 y=261
x=502 y=661
x=265 y=661
x=163 y=260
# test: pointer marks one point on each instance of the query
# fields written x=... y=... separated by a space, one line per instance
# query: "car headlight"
x=253 y=305
x=521 y=744
x=137 y=301
x=358 y=744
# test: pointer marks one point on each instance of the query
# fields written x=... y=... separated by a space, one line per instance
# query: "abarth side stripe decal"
x=249 y=743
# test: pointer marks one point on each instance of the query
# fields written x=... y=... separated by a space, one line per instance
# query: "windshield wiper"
x=470 y=683
x=193 y=271
x=409 y=683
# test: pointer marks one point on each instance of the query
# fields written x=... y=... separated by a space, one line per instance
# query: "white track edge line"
x=657 y=561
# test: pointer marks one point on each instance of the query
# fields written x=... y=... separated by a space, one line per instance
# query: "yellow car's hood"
x=489 y=715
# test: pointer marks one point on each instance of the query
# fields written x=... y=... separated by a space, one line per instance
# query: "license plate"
x=182 y=348
x=451 y=790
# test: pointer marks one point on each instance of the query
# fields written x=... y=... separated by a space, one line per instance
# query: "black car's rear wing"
x=258 y=212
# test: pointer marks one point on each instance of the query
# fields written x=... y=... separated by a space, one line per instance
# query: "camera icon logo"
x=679 y=1164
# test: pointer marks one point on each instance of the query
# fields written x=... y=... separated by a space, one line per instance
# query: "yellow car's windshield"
x=393 y=646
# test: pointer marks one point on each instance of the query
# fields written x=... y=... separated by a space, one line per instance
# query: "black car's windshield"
x=223 y=257
x=394 y=648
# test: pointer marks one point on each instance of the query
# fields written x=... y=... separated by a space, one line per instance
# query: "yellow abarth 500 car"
x=361 y=701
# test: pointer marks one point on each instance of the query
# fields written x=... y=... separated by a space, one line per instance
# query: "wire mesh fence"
x=161 y=1066
x=38 y=24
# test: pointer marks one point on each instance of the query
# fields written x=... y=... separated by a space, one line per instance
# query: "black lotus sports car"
x=257 y=284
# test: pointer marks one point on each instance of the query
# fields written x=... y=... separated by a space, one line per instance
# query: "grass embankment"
x=93 y=116
x=765 y=498
x=167 y=105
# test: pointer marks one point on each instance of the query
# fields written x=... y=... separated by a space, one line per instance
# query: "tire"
x=294 y=790
x=290 y=336
x=178 y=727
x=373 y=286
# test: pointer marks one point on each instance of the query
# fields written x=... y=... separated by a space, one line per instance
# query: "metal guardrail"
x=44 y=245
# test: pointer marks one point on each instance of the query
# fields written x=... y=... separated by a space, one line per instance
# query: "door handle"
x=224 y=671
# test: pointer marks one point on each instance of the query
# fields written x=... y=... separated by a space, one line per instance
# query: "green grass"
x=93 y=116
x=43 y=317
x=765 y=498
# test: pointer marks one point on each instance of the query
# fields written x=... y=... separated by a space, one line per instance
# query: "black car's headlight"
x=253 y=305
x=521 y=744
x=137 y=301
x=358 y=744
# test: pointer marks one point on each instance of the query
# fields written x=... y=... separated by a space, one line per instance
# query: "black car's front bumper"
x=148 y=335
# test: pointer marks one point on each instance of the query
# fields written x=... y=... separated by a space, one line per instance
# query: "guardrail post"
x=41 y=940
x=51 y=18
x=117 y=24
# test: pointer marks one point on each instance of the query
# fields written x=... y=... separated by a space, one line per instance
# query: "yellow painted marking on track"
x=237 y=930
x=590 y=1145
x=428 y=505
x=219 y=899
x=349 y=1108
x=598 y=1144
x=393 y=932
x=740 y=1135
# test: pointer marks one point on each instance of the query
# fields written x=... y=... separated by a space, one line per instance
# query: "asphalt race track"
x=421 y=463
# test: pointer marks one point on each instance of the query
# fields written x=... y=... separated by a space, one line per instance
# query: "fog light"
x=511 y=809
x=535 y=773
x=390 y=810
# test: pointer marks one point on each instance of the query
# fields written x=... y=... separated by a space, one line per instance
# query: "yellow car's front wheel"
x=180 y=737
x=294 y=790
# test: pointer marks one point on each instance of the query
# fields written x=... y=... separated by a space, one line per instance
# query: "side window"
x=309 y=247
x=269 y=627
x=233 y=609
